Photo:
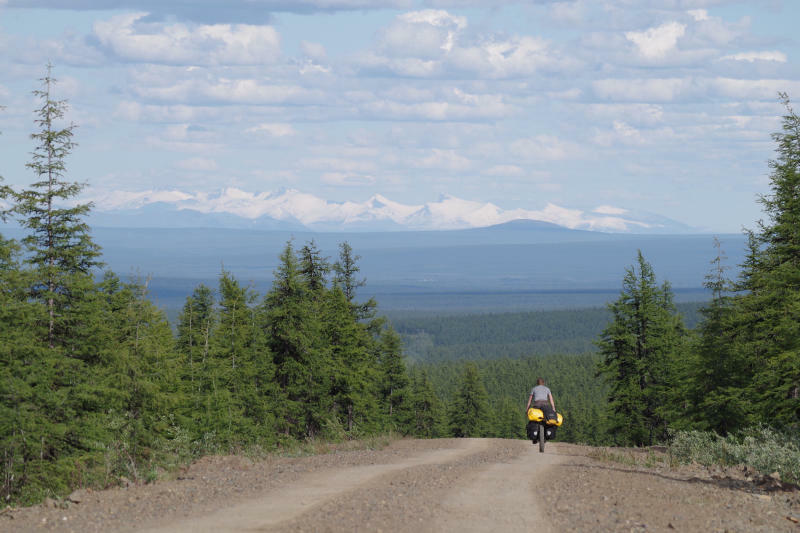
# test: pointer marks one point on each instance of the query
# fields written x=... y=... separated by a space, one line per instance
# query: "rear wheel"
x=541 y=438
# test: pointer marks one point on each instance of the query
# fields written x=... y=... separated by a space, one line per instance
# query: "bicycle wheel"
x=541 y=438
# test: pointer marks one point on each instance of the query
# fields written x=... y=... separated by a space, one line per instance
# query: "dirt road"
x=459 y=485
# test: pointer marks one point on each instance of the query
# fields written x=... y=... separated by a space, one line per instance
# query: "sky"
x=663 y=107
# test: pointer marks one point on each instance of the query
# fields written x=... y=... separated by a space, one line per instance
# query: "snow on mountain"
x=297 y=208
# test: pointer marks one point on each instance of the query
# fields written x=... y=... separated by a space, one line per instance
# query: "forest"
x=429 y=337
x=96 y=385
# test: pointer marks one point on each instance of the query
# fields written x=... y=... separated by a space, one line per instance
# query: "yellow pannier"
x=535 y=415
x=560 y=420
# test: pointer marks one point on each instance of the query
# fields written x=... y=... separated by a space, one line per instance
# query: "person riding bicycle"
x=540 y=396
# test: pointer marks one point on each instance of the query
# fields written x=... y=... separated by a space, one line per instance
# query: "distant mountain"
x=293 y=210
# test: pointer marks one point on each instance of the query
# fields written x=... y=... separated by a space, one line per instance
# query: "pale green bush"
x=762 y=448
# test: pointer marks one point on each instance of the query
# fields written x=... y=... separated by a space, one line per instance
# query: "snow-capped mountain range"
x=293 y=209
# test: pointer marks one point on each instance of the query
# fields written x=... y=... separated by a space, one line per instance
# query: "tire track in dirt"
x=310 y=491
x=502 y=496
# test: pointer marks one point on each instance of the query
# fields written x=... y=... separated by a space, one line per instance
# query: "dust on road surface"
x=308 y=492
x=461 y=485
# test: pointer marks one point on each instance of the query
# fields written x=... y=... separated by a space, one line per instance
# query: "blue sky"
x=657 y=106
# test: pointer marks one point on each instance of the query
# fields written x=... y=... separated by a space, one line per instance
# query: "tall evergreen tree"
x=59 y=244
x=293 y=339
x=314 y=267
x=717 y=374
x=469 y=413
x=394 y=384
x=351 y=363
x=239 y=364
x=639 y=348
x=194 y=331
x=346 y=278
x=426 y=409
x=767 y=311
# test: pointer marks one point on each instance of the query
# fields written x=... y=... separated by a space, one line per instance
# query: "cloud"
x=424 y=34
x=444 y=159
x=453 y=104
x=656 y=42
x=342 y=165
x=229 y=91
x=620 y=133
x=314 y=51
x=130 y=38
x=642 y=90
x=609 y=210
x=432 y=43
x=505 y=170
x=765 y=89
x=347 y=179
x=750 y=57
x=545 y=147
x=698 y=14
x=215 y=10
x=199 y=164
x=273 y=129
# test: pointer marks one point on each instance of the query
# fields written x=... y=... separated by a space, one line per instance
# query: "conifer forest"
x=96 y=384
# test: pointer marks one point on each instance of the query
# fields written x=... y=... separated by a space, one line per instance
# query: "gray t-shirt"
x=540 y=393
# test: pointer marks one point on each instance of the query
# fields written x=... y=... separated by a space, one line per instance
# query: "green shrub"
x=765 y=449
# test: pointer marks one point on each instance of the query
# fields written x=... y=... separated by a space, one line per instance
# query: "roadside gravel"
x=480 y=485
x=212 y=483
x=600 y=495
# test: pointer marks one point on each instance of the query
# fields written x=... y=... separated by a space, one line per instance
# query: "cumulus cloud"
x=656 y=42
x=130 y=38
x=432 y=43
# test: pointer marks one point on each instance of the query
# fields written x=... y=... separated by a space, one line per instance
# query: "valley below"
x=431 y=485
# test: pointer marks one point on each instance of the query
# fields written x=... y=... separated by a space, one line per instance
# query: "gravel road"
x=459 y=485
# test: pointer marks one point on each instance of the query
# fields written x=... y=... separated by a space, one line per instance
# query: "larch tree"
x=767 y=311
x=59 y=245
x=638 y=349
x=469 y=413
x=346 y=271
x=293 y=339
x=717 y=375
x=395 y=392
